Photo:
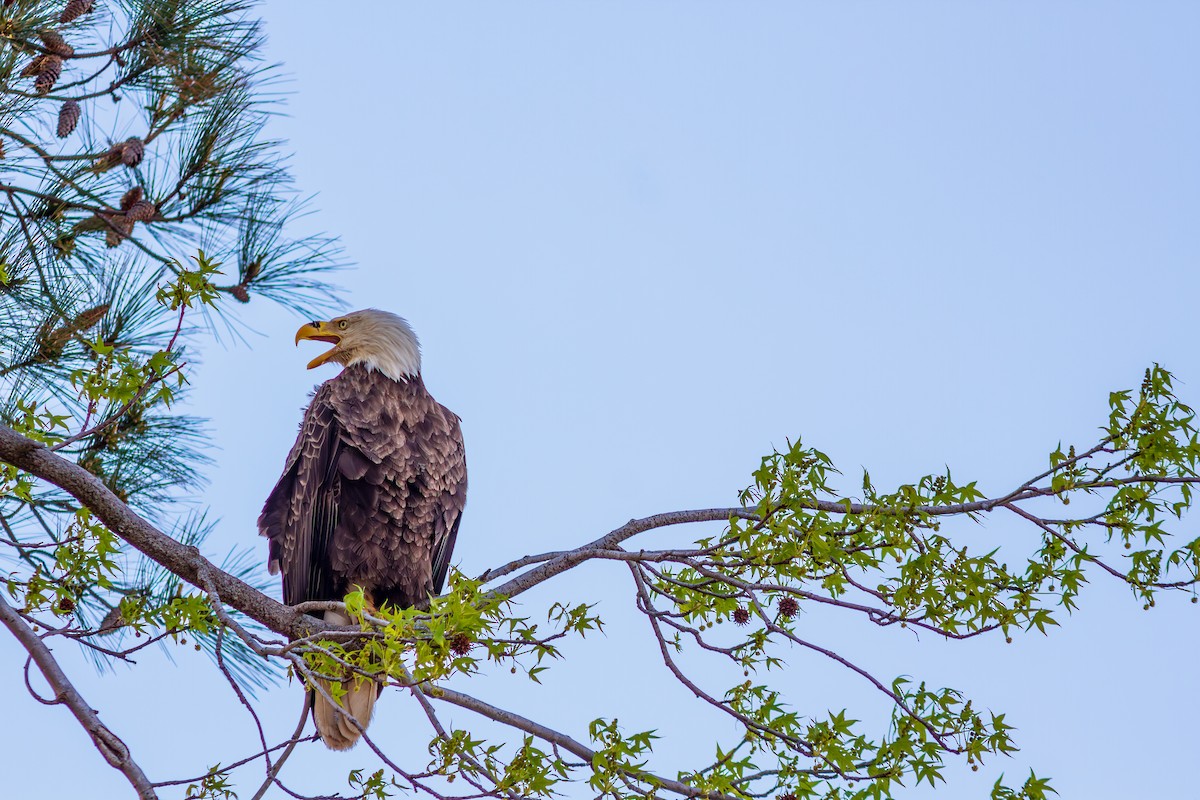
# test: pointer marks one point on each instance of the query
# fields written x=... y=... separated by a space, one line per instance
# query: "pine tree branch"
x=114 y=751
x=184 y=561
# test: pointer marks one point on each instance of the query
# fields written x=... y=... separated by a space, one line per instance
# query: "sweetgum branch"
x=552 y=736
x=223 y=588
x=187 y=563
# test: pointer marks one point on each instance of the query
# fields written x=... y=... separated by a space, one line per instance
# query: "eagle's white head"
x=376 y=339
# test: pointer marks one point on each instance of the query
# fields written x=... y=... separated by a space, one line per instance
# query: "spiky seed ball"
x=50 y=73
x=74 y=9
x=741 y=616
x=68 y=118
x=788 y=796
x=66 y=605
x=141 y=211
x=240 y=294
x=132 y=151
x=460 y=644
x=788 y=607
x=131 y=197
x=55 y=43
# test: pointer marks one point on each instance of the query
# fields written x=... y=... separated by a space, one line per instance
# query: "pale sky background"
x=644 y=243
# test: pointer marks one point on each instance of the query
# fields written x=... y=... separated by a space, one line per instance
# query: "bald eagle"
x=372 y=492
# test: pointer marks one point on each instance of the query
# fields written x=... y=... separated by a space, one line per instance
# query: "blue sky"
x=645 y=243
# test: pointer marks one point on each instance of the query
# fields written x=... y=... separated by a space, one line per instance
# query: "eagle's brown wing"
x=404 y=486
x=453 y=500
x=371 y=495
x=301 y=513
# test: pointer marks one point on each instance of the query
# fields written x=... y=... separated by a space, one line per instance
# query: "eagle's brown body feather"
x=371 y=495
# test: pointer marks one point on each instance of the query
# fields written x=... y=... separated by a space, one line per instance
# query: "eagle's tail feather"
x=338 y=732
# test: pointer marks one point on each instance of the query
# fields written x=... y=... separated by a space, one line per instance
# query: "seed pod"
x=141 y=211
x=55 y=43
x=68 y=118
x=50 y=73
x=252 y=270
x=239 y=292
x=74 y=9
x=131 y=197
x=132 y=151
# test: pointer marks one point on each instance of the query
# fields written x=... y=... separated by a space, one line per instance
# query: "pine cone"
x=51 y=341
x=55 y=43
x=74 y=10
x=119 y=229
x=141 y=211
x=85 y=320
x=131 y=197
x=113 y=620
x=240 y=293
x=109 y=159
x=49 y=75
x=93 y=223
x=132 y=151
x=68 y=118
x=64 y=245
x=252 y=270
x=33 y=67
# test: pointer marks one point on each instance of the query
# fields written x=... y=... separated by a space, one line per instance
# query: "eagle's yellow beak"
x=321 y=332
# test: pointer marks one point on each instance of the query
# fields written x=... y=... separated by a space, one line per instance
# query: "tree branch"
x=554 y=737
x=186 y=562
x=115 y=752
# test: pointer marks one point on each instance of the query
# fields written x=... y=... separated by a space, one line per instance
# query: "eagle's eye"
x=342 y=324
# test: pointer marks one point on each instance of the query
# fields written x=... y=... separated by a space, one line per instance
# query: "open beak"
x=321 y=332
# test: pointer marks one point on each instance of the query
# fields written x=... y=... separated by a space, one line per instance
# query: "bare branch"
x=114 y=751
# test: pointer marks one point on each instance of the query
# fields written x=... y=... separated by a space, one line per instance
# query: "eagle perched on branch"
x=372 y=492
